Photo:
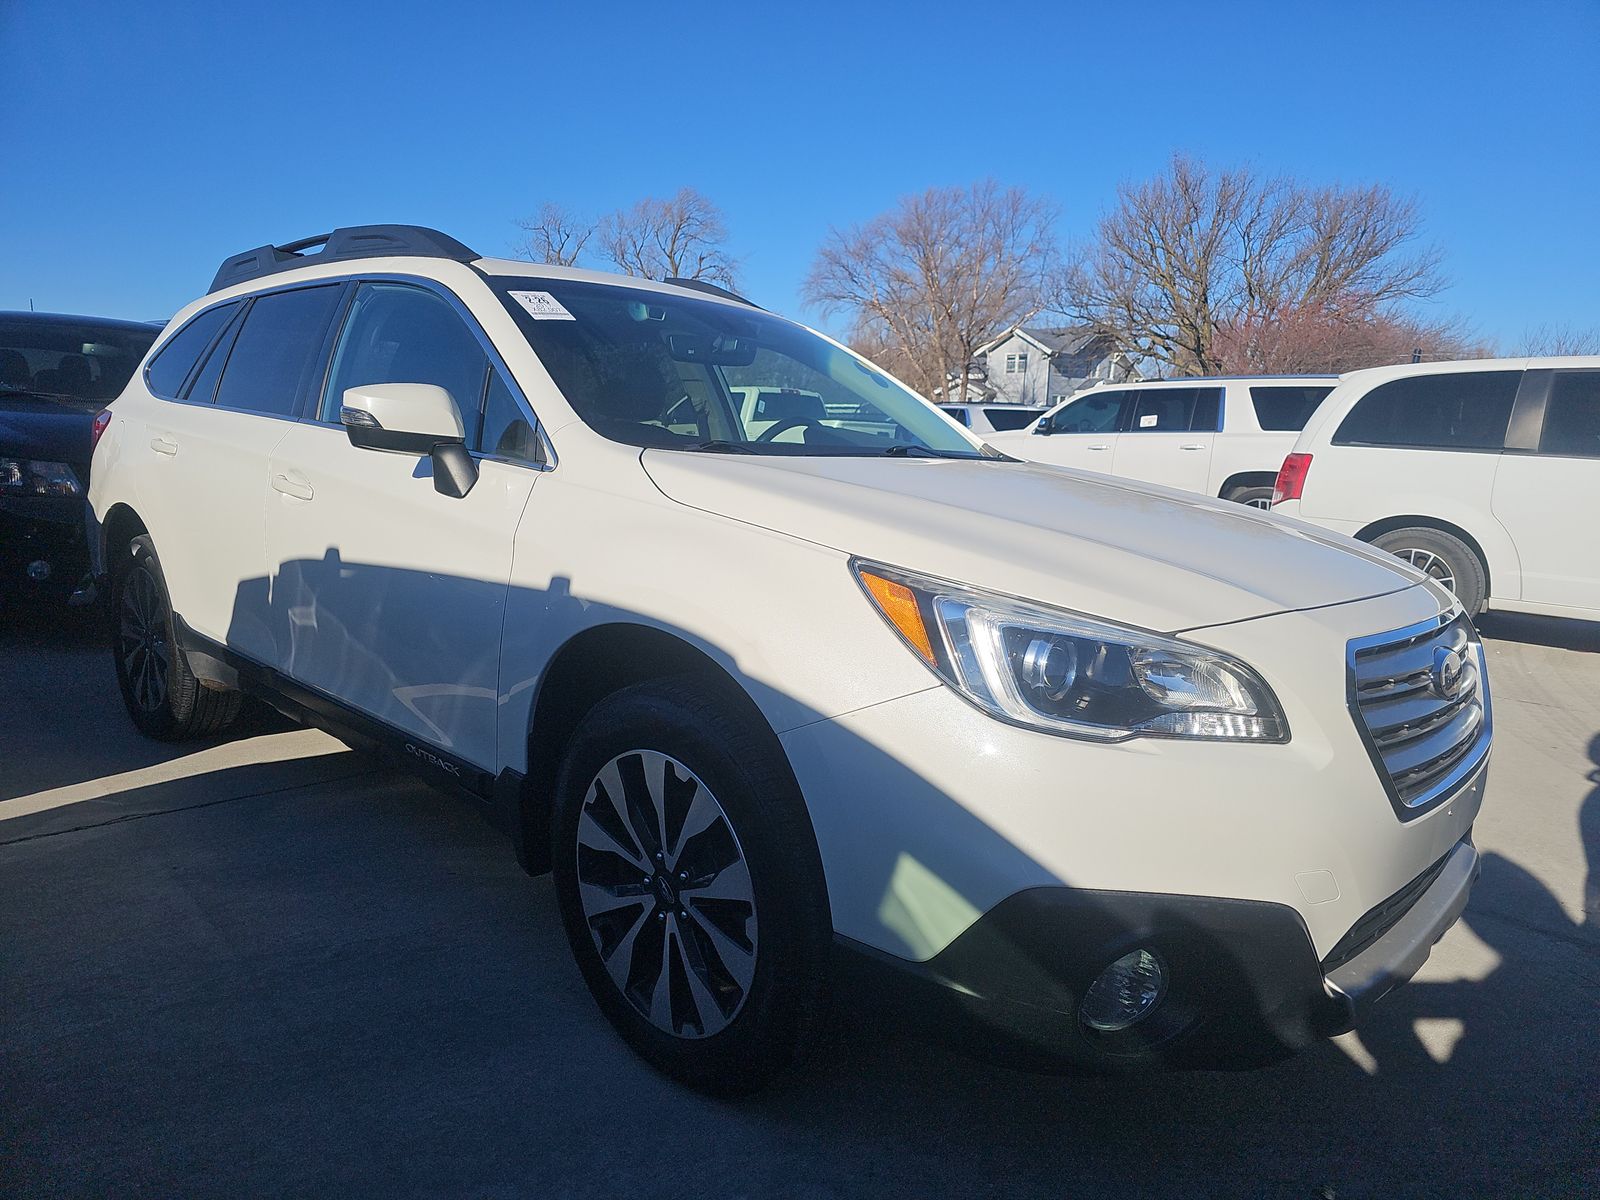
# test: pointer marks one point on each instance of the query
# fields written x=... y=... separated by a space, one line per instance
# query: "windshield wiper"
x=907 y=450
x=721 y=446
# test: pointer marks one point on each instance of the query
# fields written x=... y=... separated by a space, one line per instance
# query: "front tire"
x=162 y=695
x=1442 y=557
x=690 y=884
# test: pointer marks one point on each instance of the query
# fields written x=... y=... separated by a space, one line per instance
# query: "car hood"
x=1143 y=555
x=42 y=428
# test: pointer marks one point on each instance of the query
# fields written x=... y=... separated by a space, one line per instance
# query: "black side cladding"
x=349 y=242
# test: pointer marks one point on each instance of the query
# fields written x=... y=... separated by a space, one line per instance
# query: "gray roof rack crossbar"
x=710 y=289
x=352 y=241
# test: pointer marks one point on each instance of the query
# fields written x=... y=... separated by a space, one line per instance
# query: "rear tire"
x=1443 y=557
x=1252 y=497
x=694 y=899
x=163 y=696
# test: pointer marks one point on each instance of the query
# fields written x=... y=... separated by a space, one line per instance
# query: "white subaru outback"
x=1079 y=771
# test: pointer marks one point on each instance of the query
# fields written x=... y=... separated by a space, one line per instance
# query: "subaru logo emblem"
x=1449 y=668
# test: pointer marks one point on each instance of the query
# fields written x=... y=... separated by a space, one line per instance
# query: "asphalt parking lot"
x=269 y=966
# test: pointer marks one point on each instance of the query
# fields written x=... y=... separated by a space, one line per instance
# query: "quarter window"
x=276 y=349
x=1572 y=416
x=174 y=362
x=507 y=432
x=1282 y=409
x=1459 y=410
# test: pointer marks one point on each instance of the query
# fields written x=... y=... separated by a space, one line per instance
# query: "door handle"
x=163 y=445
x=1102 y=446
x=298 y=488
x=1193 y=446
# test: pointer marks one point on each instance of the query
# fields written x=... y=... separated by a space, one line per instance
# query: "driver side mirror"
x=412 y=418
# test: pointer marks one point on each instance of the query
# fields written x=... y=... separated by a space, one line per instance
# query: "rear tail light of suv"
x=1291 y=478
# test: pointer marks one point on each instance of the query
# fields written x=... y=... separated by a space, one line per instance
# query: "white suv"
x=819 y=707
x=1483 y=474
x=1219 y=437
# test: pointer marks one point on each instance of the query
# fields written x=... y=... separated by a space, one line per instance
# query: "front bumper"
x=1245 y=987
x=43 y=548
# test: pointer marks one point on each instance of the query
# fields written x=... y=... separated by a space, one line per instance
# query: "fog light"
x=1126 y=992
x=39 y=570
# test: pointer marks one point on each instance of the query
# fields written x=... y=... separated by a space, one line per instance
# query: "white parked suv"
x=1078 y=772
x=1483 y=474
x=1220 y=437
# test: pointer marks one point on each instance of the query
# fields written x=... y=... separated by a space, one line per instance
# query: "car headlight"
x=1059 y=672
x=26 y=477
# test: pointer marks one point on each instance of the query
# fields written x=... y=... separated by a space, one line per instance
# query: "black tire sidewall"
x=172 y=720
x=1465 y=565
x=1244 y=495
x=711 y=736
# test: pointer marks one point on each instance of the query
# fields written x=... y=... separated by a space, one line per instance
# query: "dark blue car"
x=56 y=373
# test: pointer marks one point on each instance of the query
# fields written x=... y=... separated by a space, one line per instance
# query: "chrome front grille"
x=1421 y=702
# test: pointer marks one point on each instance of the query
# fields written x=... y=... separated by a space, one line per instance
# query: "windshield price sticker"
x=542 y=306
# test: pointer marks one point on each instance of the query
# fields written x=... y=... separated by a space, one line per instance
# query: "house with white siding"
x=1038 y=366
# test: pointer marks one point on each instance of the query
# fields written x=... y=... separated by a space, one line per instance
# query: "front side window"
x=1097 y=412
x=396 y=333
x=655 y=369
x=175 y=361
x=276 y=349
x=1572 y=416
x=1459 y=410
x=1286 y=408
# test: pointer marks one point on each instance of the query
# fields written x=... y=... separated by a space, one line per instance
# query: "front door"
x=388 y=595
x=1082 y=433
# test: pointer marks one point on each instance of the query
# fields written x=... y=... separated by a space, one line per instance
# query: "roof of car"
x=70 y=319
x=1370 y=375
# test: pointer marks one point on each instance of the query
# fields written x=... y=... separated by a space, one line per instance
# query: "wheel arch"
x=592 y=664
x=1246 y=479
x=1416 y=521
x=121 y=525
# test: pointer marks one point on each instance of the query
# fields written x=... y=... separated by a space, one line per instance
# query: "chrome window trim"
x=498 y=363
x=1465 y=772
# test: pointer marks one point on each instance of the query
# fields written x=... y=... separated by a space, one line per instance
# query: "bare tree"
x=683 y=237
x=1543 y=340
x=1196 y=266
x=929 y=282
x=555 y=236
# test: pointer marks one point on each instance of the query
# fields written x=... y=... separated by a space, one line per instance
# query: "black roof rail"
x=352 y=241
x=710 y=289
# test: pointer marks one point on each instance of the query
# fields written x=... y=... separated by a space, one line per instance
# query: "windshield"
x=653 y=369
x=75 y=360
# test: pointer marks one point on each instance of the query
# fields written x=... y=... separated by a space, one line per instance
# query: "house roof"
x=1069 y=341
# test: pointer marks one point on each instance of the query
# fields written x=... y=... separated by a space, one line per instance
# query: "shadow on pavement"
x=1555 y=632
x=328 y=979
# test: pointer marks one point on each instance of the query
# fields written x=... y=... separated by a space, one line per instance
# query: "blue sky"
x=145 y=142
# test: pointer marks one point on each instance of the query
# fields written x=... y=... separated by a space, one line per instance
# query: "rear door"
x=1082 y=433
x=1170 y=435
x=1548 y=498
x=388 y=595
x=211 y=452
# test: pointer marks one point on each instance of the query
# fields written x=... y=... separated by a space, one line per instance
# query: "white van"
x=1220 y=437
x=1484 y=475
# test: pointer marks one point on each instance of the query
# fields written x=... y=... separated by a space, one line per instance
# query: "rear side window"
x=174 y=362
x=1462 y=410
x=962 y=415
x=276 y=349
x=1285 y=409
x=1009 y=418
x=1572 y=417
x=1176 y=410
